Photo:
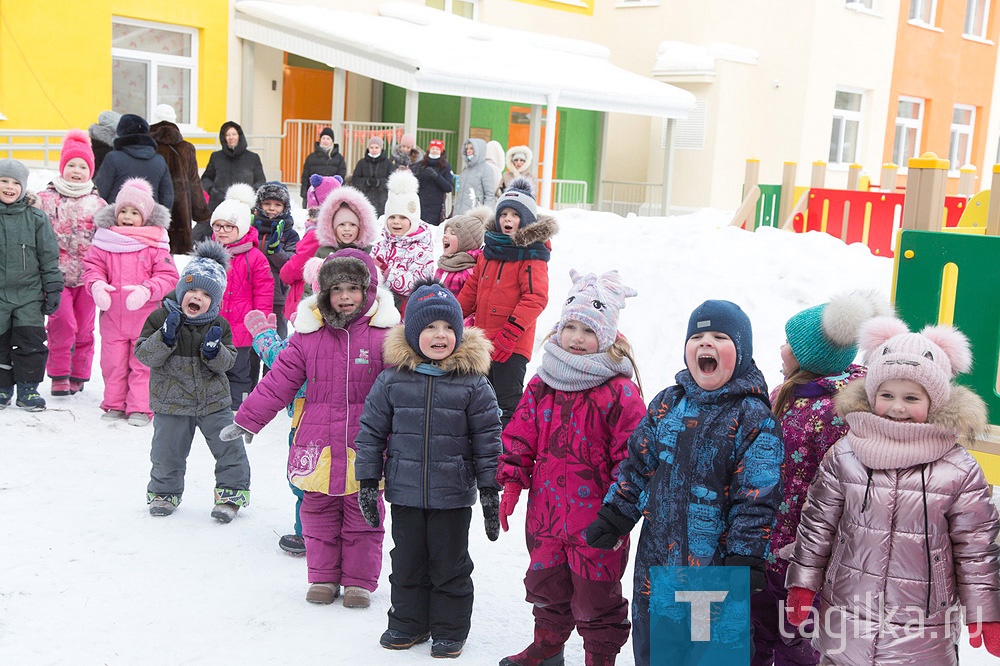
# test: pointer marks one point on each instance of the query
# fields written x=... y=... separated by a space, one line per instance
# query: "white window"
x=963 y=121
x=909 y=120
x=152 y=64
x=846 y=127
x=866 y=4
x=976 y=14
x=923 y=11
x=464 y=8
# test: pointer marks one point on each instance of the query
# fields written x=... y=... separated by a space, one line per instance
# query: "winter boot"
x=61 y=387
x=323 y=593
x=227 y=502
x=225 y=512
x=600 y=659
x=400 y=640
x=76 y=385
x=293 y=544
x=6 y=393
x=545 y=650
x=357 y=597
x=162 y=505
x=139 y=419
x=113 y=415
x=445 y=649
x=29 y=399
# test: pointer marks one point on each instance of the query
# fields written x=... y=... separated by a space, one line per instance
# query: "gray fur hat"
x=275 y=191
x=351 y=266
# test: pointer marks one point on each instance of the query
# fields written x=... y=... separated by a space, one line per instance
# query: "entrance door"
x=519 y=133
x=306 y=96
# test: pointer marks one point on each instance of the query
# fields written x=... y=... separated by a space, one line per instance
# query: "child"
x=715 y=502
x=509 y=288
x=899 y=515
x=272 y=218
x=432 y=418
x=344 y=219
x=249 y=285
x=567 y=463
x=817 y=361
x=129 y=269
x=405 y=253
x=337 y=353
x=31 y=288
x=70 y=200
x=462 y=242
x=372 y=172
x=189 y=347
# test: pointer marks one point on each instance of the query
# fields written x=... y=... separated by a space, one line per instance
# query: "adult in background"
x=436 y=180
x=477 y=182
x=519 y=162
x=325 y=160
x=182 y=163
x=371 y=175
x=102 y=136
x=494 y=158
x=134 y=156
x=406 y=154
x=230 y=165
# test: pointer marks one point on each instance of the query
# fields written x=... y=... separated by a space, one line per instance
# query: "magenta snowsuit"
x=70 y=328
x=123 y=256
x=338 y=367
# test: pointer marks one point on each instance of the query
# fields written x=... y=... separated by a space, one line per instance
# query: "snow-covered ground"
x=88 y=577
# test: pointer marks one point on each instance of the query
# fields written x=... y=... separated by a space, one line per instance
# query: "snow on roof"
x=684 y=58
x=468 y=60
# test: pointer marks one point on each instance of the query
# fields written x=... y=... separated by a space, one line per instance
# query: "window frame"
x=847 y=116
x=928 y=7
x=154 y=61
x=958 y=130
x=982 y=33
x=449 y=6
x=867 y=5
x=917 y=123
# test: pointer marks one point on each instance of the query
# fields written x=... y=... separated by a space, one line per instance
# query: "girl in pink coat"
x=563 y=443
x=128 y=270
x=404 y=254
x=70 y=201
x=249 y=283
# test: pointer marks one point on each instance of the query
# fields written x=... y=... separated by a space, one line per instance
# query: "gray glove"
x=368 y=501
x=231 y=432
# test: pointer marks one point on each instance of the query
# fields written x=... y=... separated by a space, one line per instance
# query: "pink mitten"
x=988 y=632
x=257 y=323
x=138 y=297
x=511 y=491
x=101 y=292
x=800 y=602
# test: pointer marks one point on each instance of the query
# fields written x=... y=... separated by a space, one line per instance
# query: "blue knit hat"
x=824 y=338
x=429 y=302
x=521 y=197
x=206 y=271
x=725 y=317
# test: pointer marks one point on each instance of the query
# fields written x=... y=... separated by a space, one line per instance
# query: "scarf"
x=883 y=444
x=239 y=247
x=72 y=190
x=430 y=369
x=198 y=320
x=456 y=263
x=122 y=240
x=501 y=247
x=565 y=371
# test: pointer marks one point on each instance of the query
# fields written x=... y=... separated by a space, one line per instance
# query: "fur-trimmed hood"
x=357 y=202
x=160 y=217
x=471 y=358
x=540 y=232
x=964 y=412
x=383 y=314
x=525 y=169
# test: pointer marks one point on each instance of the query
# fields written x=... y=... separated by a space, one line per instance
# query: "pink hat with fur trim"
x=930 y=358
x=362 y=208
x=138 y=193
x=76 y=144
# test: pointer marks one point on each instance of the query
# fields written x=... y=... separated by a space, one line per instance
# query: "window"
x=846 y=124
x=861 y=4
x=976 y=14
x=909 y=119
x=923 y=11
x=152 y=64
x=463 y=8
x=963 y=120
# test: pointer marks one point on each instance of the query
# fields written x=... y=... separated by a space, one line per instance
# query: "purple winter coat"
x=888 y=547
x=73 y=221
x=338 y=367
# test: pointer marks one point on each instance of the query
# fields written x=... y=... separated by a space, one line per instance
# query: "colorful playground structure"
x=946 y=253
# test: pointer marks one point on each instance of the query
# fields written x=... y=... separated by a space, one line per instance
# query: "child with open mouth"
x=404 y=253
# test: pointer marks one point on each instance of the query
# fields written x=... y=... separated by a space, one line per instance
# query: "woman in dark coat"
x=134 y=156
x=189 y=197
x=232 y=164
x=436 y=180
x=371 y=175
x=325 y=160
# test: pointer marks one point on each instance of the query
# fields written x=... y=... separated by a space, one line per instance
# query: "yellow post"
x=888 y=177
x=853 y=176
x=787 y=190
x=926 y=178
x=818 y=178
x=967 y=181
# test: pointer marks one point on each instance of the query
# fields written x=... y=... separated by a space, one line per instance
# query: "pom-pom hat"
x=521 y=197
x=824 y=338
x=206 y=271
x=320 y=188
x=594 y=301
x=431 y=301
x=403 y=199
x=76 y=144
x=138 y=193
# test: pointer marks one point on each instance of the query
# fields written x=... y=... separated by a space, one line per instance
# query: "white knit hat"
x=403 y=199
x=237 y=208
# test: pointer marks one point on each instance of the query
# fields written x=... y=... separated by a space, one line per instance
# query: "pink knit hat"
x=138 y=193
x=930 y=358
x=320 y=188
x=76 y=144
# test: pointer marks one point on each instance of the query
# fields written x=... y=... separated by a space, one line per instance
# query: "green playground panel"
x=766 y=213
x=977 y=297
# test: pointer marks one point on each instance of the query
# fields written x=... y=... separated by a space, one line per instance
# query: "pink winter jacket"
x=249 y=286
x=121 y=265
x=73 y=221
x=565 y=446
x=891 y=546
x=405 y=260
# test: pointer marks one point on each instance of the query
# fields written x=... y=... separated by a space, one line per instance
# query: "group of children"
x=843 y=488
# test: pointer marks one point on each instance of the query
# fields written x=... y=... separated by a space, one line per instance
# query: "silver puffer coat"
x=887 y=546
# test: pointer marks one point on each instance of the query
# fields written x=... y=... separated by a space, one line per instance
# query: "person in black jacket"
x=134 y=156
x=232 y=164
x=325 y=160
x=436 y=180
x=431 y=427
x=371 y=175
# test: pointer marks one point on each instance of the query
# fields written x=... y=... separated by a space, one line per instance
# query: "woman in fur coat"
x=189 y=197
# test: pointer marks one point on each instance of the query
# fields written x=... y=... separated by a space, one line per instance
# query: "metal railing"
x=41 y=148
x=624 y=197
x=569 y=194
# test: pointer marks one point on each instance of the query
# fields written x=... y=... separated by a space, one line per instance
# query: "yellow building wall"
x=55 y=58
x=578 y=7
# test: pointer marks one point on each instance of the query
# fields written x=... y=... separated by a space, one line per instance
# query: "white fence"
x=624 y=197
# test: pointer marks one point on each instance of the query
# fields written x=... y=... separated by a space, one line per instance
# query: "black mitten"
x=757 y=579
x=490 y=499
x=368 y=501
x=608 y=528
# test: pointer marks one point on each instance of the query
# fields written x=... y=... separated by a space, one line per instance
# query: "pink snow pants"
x=126 y=380
x=340 y=546
x=71 y=336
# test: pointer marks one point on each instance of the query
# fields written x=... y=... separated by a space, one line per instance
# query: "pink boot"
x=545 y=650
x=600 y=659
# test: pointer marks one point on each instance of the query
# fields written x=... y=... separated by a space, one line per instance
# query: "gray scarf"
x=565 y=371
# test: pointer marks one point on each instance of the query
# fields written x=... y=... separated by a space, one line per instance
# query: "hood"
x=28 y=199
x=540 y=232
x=494 y=153
x=529 y=157
x=479 y=152
x=166 y=133
x=356 y=201
x=383 y=314
x=160 y=217
x=323 y=297
x=472 y=357
x=241 y=145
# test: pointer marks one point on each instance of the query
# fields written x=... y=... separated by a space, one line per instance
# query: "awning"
x=458 y=57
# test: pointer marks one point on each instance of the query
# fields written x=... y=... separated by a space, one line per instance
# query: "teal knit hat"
x=824 y=338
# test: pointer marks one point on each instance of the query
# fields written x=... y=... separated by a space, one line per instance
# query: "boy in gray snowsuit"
x=188 y=346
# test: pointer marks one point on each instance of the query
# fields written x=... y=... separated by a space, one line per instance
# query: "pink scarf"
x=122 y=240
